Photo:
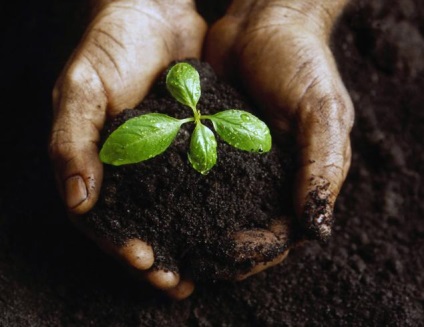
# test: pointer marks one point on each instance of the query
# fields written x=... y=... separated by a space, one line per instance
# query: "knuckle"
x=82 y=79
x=332 y=110
x=58 y=150
x=319 y=108
x=60 y=147
x=331 y=106
x=74 y=77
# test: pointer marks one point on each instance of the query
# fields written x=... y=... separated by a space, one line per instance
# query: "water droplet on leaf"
x=245 y=117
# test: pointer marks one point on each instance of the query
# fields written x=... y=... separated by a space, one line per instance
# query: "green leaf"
x=242 y=130
x=183 y=82
x=139 y=139
x=202 y=155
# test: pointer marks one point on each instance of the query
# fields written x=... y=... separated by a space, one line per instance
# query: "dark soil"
x=369 y=274
x=189 y=218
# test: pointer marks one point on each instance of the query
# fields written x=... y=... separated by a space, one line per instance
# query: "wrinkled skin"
x=279 y=52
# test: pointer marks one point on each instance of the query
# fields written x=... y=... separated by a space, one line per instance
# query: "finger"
x=325 y=121
x=80 y=105
x=139 y=257
x=136 y=254
x=182 y=291
x=258 y=249
x=219 y=42
x=260 y=245
x=161 y=279
x=263 y=266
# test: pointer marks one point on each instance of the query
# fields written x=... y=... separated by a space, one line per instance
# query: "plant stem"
x=196 y=114
x=187 y=120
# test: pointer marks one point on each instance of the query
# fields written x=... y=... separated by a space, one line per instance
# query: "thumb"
x=325 y=122
x=79 y=102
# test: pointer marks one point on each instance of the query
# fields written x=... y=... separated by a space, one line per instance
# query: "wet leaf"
x=242 y=130
x=183 y=82
x=139 y=139
x=202 y=155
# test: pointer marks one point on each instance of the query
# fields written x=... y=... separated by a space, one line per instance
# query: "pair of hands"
x=279 y=49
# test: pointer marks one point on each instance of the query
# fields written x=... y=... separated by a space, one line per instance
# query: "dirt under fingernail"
x=317 y=216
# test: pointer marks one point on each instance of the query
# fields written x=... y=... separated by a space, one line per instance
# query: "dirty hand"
x=279 y=50
x=126 y=46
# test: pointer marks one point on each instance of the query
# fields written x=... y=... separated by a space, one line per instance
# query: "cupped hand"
x=126 y=46
x=279 y=51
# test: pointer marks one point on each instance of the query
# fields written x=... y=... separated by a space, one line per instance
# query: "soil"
x=369 y=274
x=190 y=218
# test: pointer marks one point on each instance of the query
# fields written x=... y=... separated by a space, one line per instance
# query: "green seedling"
x=149 y=135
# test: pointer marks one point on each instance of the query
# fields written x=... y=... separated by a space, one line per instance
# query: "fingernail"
x=75 y=191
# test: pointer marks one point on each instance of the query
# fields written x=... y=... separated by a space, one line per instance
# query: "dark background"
x=370 y=274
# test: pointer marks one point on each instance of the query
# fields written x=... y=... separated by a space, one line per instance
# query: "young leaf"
x=202 y=155
x=242 y=130
x=183 y=82
x=139 y=139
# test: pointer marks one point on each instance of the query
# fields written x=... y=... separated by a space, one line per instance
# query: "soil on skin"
x=369 y=274
x=190 y=218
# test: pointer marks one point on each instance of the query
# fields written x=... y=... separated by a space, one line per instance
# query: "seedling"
x=146 y=136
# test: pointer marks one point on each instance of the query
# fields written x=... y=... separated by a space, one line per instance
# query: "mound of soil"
x=190 y=218
x=369 y=274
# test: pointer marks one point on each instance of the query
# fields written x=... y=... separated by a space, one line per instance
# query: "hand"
x=279 y=49
x=126 y=46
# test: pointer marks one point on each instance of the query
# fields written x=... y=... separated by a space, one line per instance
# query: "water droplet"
x=245 y=117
